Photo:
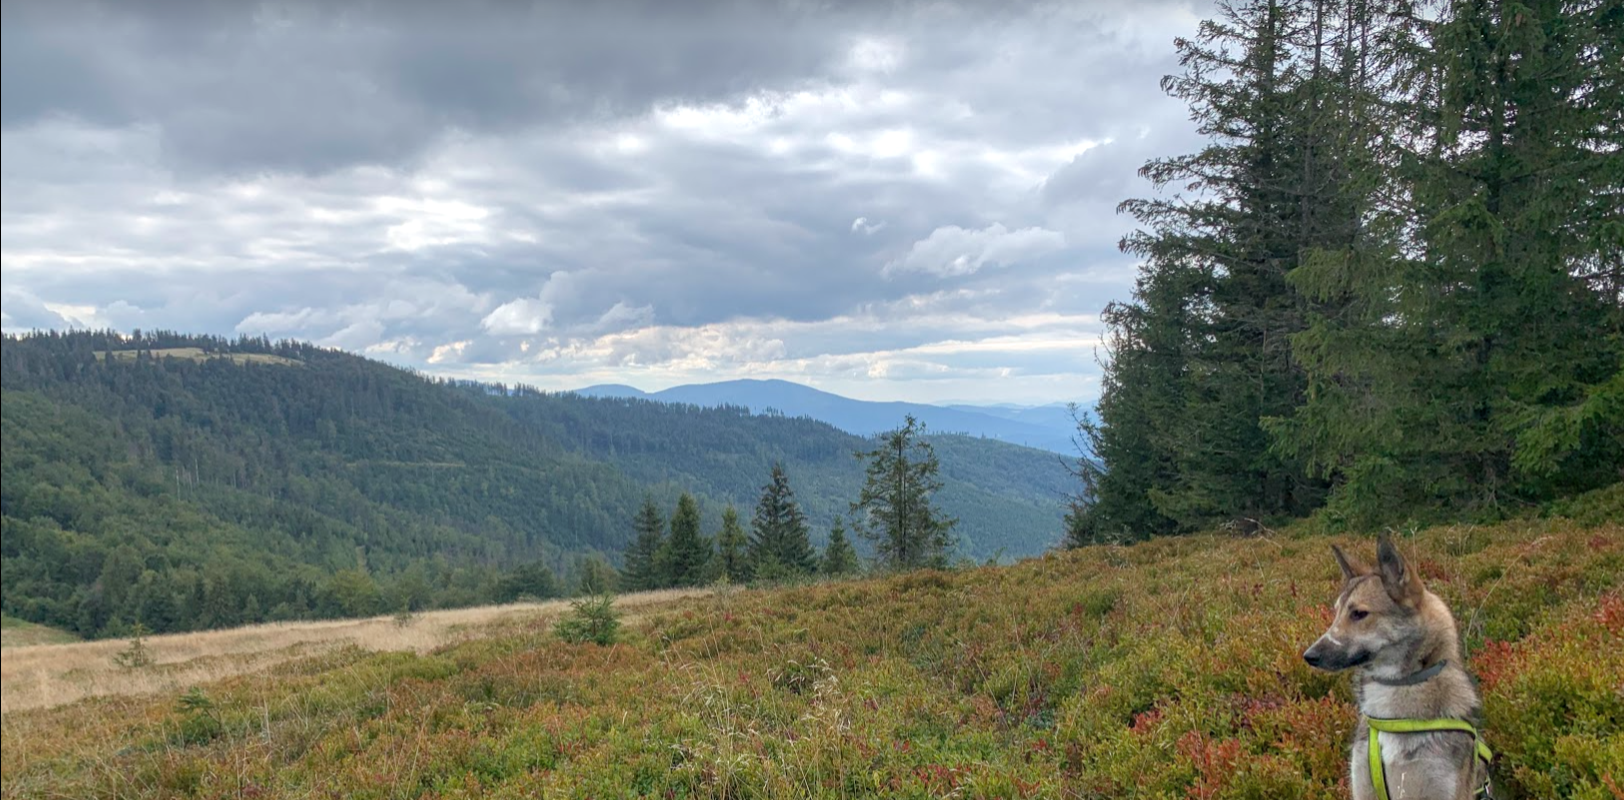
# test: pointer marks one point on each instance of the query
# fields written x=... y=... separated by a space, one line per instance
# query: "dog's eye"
x=1358 y=614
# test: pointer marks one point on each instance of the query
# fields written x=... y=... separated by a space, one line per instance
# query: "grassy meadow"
x=1168 y=669
x=199 y=354
x=21 y=633
x=45 y=677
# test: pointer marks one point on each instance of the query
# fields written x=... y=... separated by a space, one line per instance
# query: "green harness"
x=1378 y=771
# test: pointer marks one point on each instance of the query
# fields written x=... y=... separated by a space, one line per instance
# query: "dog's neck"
x=1382 y=692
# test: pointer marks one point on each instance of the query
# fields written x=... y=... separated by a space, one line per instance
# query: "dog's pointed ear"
x=1402 y=584
x=1351 y=567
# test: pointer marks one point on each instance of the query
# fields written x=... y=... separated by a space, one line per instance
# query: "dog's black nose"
x=1312 y=658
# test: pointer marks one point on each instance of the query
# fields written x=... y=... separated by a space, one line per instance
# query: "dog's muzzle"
x=1331 y=655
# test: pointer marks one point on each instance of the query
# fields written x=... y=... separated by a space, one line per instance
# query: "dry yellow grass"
x=197 y=354
x=48 y=675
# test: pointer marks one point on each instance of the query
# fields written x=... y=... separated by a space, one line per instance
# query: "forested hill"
x=195 y=482
x=1007 y=498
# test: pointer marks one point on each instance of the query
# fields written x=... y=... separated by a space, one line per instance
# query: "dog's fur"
x=1387 y=626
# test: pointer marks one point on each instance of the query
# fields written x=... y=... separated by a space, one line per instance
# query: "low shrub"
x=591 y=619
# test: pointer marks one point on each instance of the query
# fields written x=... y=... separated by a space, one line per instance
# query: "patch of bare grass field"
x=198 y=354
x=40 y=675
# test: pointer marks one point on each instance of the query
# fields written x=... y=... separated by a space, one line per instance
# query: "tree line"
x=1389 y=287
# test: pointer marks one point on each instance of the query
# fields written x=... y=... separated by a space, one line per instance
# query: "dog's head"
x=1377 y=609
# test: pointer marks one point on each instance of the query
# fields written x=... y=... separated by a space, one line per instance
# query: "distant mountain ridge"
x=1043 y=427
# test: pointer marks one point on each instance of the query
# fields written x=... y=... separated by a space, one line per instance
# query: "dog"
x=1401 y=643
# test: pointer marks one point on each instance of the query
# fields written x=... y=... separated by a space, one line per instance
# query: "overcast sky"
x=889 y=200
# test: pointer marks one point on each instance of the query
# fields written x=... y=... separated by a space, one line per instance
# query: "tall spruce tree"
x=779 y=546
x=1476 y=368
x=1201 y=360
x=644 y=567
x=732 y=548
x=839 y=557
x=689 y=552
x=894 y=509
x=1127 y=452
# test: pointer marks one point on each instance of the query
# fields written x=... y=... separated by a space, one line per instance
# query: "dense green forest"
x=1009 y=498
x=189 y=482
x=1390 y=287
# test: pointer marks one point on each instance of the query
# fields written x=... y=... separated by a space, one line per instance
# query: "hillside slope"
x=17 y=633
x=1165 y=670
x=221 y=482
x=1008 y=498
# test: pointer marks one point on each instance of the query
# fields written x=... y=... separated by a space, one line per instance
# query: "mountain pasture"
x=199 y=354
x=1167 y=669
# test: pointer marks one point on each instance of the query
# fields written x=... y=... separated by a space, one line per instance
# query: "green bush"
x=199 y=724
x=591 y=619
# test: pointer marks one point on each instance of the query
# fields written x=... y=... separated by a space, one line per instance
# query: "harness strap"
x=1378 y=771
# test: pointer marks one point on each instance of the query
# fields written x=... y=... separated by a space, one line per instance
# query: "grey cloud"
x=486 y=190
x=21 y=311
x=313 y=87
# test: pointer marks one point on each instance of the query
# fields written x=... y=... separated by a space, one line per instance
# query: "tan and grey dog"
x=1400 y=641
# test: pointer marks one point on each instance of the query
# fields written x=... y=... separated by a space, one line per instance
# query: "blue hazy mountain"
x=611 y=390
x=1044 y=427
x=1046 y=416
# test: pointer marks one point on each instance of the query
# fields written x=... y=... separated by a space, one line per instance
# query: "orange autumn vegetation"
x=1168 y=669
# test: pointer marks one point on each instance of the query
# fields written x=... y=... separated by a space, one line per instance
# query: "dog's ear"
x=1402 y=584
x=1351 y=567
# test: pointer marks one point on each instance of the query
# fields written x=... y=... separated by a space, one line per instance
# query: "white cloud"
x=431 y=222
x=863 y=226
x=520 y=317
x=952 y=250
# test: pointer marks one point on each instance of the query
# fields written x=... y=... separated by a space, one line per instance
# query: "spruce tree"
x=779 y=546
x=732 y=548
x=1202 y=365
x=1477 y=367
x=1127 y=452
x=894 y=509
x=644 y=570
x=1523 y=194
x=689 y=551
x=839 y=558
